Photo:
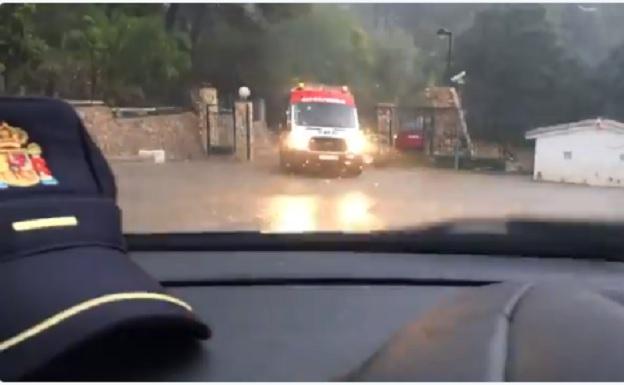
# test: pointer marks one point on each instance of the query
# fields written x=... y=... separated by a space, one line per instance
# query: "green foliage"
x=322 y=46
x=398 y=70
x=319 y=43
x=527 y=65
x=519 y=77
x=117 y=52
x=330 y=45
x=127 y=56
x=610 y=84
x=20 y=47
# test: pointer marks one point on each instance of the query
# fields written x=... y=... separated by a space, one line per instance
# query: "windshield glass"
x=325 y=115
x=467 y=111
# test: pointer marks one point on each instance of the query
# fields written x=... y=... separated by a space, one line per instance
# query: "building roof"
x=583 y=125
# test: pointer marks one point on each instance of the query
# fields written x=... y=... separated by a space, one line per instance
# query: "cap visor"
x=55 y=301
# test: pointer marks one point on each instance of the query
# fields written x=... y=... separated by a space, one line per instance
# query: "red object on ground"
x=413 y=140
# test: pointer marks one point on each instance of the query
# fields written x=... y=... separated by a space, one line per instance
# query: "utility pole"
x=445 y=33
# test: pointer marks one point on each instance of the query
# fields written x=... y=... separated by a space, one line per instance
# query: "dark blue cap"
x=64 y=273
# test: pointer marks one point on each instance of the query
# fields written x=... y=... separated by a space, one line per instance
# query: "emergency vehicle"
x=322 y=130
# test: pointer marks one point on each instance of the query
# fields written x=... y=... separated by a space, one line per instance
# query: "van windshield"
x=325 y=115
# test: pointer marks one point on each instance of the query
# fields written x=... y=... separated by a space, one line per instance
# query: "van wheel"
x=287 y=165
x=353 y=172
x=284 y=162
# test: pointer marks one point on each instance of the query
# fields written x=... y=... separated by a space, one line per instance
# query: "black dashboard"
x=318 y=316
x=395 y=306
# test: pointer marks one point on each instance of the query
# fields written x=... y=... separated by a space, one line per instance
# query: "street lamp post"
x=445 y=33
x=244 y=94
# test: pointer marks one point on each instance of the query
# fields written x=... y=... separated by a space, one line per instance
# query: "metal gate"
x=221 y=131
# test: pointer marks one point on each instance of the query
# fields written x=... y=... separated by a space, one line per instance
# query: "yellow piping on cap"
x=84 y=306
x=45 y=223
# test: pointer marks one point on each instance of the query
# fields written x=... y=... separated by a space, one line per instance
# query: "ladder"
x=462 y=121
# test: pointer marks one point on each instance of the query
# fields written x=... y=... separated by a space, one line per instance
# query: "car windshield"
x=325 y=115
x=516 y=108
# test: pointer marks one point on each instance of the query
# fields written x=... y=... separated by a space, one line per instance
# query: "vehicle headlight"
x=356 y=143
x=298 y=141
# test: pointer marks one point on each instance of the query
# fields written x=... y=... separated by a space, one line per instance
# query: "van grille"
x=328 y=144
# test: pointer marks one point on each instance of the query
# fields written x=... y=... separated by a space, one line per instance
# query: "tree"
x=329 y=45
x=325 y=46
x=201 y=21
x=610 y=84
x=521 y=59
x=120 y=54
x=154 y=61
x=20 y=48
x=398 y=66
x=519 y=77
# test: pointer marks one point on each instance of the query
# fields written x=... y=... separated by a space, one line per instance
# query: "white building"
x=588 y=152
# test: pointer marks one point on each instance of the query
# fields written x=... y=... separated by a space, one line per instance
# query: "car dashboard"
x=318 y=316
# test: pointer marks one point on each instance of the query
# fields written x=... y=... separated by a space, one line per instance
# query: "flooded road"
x=224 y=196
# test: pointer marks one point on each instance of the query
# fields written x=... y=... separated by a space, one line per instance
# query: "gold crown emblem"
x=12 y=137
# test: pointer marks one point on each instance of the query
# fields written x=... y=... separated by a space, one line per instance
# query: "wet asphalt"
x=224 y=195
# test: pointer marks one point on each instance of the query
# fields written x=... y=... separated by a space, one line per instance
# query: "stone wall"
x=177 y=134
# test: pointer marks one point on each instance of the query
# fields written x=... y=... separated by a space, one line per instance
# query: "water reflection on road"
x=354 y=212
x=292 y=214
x=211 y=196
x=350 y=212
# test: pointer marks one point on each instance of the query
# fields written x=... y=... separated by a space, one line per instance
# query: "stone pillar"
x=243 y=130
x=208 y=109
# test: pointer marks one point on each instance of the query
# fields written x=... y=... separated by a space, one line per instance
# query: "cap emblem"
x=21 y=163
